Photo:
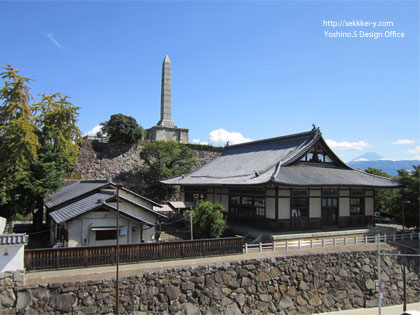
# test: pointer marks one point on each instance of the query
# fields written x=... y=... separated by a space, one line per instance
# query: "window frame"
x=360 y=205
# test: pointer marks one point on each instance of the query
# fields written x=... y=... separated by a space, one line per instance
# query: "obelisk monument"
x=165 y=96
x=166 y=128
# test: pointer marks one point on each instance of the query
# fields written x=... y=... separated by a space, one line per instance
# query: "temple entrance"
x=329 y=211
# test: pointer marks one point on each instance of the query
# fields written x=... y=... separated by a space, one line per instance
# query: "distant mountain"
x=388 y=166
x=369 y=156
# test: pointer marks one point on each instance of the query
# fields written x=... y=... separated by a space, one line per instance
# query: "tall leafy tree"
x=408 y=192
x=164 y=159
x=38 y=143
x=384 y=198
x=390 y=201
x=122 y=129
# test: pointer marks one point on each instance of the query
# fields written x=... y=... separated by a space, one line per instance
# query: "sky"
x=241 y=70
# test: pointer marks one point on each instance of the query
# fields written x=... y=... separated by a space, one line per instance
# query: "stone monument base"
x=159 y=133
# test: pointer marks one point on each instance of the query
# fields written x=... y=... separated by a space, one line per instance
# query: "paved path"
x=388 y=310
x=126 y=270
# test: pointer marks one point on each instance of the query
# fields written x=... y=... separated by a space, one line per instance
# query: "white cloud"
x=93 y=131
x=198 y=141
x=404 y=141
x=359 y=145
x=415 y=151
x=222 y=136
x=55 y=42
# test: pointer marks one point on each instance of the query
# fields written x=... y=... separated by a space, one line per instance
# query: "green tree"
x=164 y=159
x=390 y=201
x=122 y=129
x=409 y=191
x=207 y=218
x=384 y=198
x=38 y=143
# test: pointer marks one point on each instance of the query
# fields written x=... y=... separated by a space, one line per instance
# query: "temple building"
x=166 y=128
x=293 y=182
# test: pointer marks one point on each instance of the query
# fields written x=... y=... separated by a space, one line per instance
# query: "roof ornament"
x=276 y=171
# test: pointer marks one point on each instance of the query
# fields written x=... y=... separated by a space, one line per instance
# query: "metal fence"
x=334 y=241
x=73 y=257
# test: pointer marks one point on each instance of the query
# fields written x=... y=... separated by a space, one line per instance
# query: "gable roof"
x=93 y=202
x=276 y=161
x=74 y=191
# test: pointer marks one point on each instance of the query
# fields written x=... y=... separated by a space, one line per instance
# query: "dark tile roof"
x=273 y=161
x=72 y=191
x=13 y=239
x=305 y=175
x=80 y=207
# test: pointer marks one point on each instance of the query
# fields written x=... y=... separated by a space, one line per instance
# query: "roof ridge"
x=295 y=135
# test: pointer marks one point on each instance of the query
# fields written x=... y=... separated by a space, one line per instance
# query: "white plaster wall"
x=344 y=207
x=136 y=211
x=284 y=208
x=284 y=192
x=315 y=192
x=271 y=192
x=136 y=199
x=315 y=207
x=80 y=233
x=369 y=206
x=370 y=193
x=270 y=208
x=344 y=192
x=14 y=260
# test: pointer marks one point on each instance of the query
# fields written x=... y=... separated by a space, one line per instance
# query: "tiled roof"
x=273 y=161
x=13 y=239
x=75 y=190
x=79 y=207
x=92 y=202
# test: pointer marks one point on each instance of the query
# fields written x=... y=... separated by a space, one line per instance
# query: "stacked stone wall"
x=291 y=285
x=121 y=163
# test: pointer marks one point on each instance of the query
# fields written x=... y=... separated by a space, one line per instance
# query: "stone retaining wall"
x=288 y=285
x=121 y=163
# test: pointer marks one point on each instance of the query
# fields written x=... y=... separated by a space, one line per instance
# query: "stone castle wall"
x=121 y=163
x=289 y=285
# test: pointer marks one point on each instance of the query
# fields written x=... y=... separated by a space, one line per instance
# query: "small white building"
x=12 y=251
x=85 y=214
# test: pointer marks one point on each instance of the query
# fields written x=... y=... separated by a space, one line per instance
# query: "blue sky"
x=255 y=69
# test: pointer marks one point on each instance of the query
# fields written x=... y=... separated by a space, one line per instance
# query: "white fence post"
x=411 y=236
x=323 y=242
x=299 y=244
x=287 y=244
x=385 y=238
x=355 y=240
x=394 y=237
x=345 y=240
x=274 y=246
x=246 y=248
x=260 y=247
x=312 y=243
x=366 y=239
x=334 y=242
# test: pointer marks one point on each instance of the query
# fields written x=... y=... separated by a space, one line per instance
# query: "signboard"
x=382 y=286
